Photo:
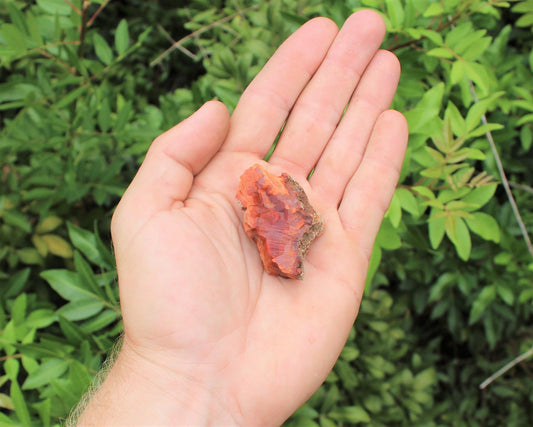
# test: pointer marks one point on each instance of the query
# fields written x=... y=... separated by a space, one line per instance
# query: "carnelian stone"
x=279 y=219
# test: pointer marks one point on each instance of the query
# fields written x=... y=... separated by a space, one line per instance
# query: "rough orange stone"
x=279 y=219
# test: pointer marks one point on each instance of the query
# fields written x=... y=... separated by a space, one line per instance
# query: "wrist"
x=138 y=391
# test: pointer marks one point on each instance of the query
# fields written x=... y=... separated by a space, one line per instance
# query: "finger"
x=369 y=192
x=319 y=109
x=166 y=174
x=266 y=102
x=344 y=151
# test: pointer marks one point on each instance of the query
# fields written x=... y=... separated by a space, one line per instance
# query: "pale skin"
x=210 y=337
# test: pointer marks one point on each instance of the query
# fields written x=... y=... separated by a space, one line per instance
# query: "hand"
x=209 y=336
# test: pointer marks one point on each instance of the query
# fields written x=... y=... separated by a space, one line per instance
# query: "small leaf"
x=484 y=226
x=57 y=245
x=436 y=228
x=102 y=49
x=479 y=196
x=16 y=219
x=350 y=414
x=485 y=297
x=395 y=12
x=48 y=224
x=505 y=293
x=81 y=309
x=122 y=37
x=84 y=241
x=40 y=318
x=408 y=201
x=67 y=284
x=458 y=233
x=441 y=52
x=49 y=370
x=70 y=97
x=433 y=9
x=18 y=309
x=19 y=403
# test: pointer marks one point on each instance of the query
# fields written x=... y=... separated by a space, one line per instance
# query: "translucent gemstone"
x=279 y=219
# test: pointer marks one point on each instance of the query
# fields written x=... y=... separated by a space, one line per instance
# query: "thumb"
x=166 y=174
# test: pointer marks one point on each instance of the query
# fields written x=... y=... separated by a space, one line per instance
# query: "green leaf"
x=80 y=378
x=18 y=309
x=425 y=379
x=394 y=213
x=67 y=284
x=34 y=29
x=479 y=196
x=44 y=408
x=434 y=9
x=16 y=282
x=525 y=20
x=484 y=226
x=458 y=71
x=457 y=121
x=478 y=74
x=408 y=201
x=441 y=52
x=55 y=7
x=436 y=229
x=14 y=38
x=104 y=116
x=49 y=370
x=350 y=414
x=16 y=219
x=100 y=321
x=102 y=49
x=375 y=260
x=40 y=318
x=70 y=97
x=17 y=17
x=122 y=37
x=505 y=293
x=81 y=309
x=72 y=331
x=85 y=241
x=21 y=409
x=87 y=275
x=458 y=233
x=388 y=237
x=482 y=301
x=395 y=12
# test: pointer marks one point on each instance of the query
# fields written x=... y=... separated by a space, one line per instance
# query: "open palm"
x=196 y=300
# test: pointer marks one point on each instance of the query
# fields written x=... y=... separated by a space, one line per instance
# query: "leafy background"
x=85 y=87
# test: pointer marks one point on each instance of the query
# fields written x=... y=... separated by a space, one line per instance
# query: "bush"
x=449 y=295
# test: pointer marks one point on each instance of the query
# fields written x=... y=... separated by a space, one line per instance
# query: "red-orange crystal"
x=279 y=219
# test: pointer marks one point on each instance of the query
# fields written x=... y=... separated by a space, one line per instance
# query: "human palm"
x=196 y=300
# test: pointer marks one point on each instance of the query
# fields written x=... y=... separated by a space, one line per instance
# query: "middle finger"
x=321 y=104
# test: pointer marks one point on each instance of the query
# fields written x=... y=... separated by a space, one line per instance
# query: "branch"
x=505 y=182
x=177 y=45
x=503 y=370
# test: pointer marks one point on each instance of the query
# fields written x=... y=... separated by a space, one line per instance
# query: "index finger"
x=267 y=101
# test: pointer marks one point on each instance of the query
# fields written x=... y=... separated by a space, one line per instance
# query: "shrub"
x=449 y=295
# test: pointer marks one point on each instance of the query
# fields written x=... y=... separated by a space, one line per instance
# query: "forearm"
x=138 y=392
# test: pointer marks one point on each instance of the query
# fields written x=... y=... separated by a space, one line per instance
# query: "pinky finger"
x=370 y=190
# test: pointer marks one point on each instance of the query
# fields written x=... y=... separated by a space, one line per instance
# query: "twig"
x=95 y=14
x=503 y=370
x=78 y=11
x=505 y=182
x=197 y=32
x=521 y=186
x=180 y=47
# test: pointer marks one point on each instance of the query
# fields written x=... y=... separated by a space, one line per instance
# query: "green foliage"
x=449 y=296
